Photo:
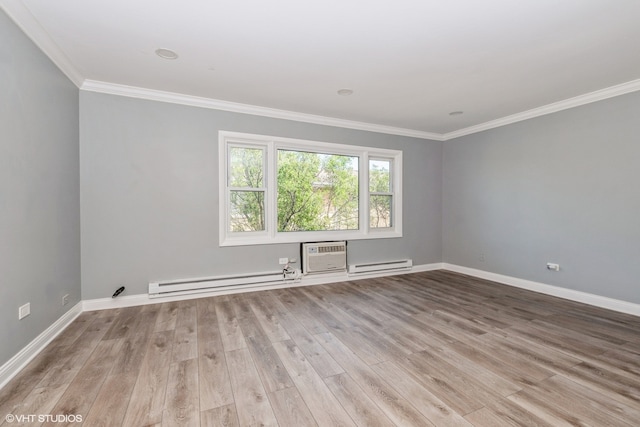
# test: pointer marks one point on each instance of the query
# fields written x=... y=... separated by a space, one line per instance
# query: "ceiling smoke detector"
x=345 y=92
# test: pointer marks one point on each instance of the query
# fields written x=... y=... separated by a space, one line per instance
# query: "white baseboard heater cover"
x=373 y=267
x=218 y=283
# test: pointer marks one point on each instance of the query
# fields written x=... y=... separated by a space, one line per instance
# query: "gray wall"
x=560 y=188
x=149 y=194
x=39 y=190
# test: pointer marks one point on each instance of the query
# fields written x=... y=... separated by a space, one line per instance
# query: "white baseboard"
x=19 y=361
x=320 y=279
x=14 y=365
x=556 y=291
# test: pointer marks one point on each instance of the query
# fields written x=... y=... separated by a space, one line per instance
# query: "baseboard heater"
x=218 y=283
x=372 y=267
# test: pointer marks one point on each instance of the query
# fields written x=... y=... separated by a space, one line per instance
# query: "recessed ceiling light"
x=345 y=92
x=456 y=113
x=166 y=53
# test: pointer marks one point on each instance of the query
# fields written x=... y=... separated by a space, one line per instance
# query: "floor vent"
x=373 y=267
x=219 y=283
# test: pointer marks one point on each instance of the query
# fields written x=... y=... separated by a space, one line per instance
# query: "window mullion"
x=364 y=193
x=271 y=172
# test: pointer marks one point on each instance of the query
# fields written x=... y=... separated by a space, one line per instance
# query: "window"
x=276 y=190
x=380 y=193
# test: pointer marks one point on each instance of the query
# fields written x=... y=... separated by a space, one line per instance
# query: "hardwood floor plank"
x=623 y=388
x=268 y=318
x=182 y=404
x=594 y=407
x=448 y=358
x=230 y=332
x=505 y=413
x=167 y=317
x=365 y=349
x=434 y=409
x=214 y=382
x=289 y=298
x=321 y=361
x=430 y=348
x=537 y=357
x=322 y=404
x=271 y=370
x=81 y=393
x=486 y=417
x=549 y=413
x=450 y=389
x=186 y=335
x=398 y=409
x=71 y=358
x=223 y=416
x=125 y=323
x=111 y=403
x=148 y=397
x=76 y=329
x=290 y=409
x=251 y=399
x=39 y=401
x=623 y=359
x=357 y=404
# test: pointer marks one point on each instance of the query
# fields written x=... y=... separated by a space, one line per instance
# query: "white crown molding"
x=566 y=104
x=23 y=18
x=21 y=15
x=196 y=101
x=556 y=291
x=176 y=98
x=14 y=365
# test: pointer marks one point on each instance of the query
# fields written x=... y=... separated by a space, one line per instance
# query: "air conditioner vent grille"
x=336 y=248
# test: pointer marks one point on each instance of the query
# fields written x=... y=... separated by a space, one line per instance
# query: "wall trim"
x=14 y=365
x=321 y=279
x=556 y=291
x=24 y=19
x=565 y=104
x=235 y=107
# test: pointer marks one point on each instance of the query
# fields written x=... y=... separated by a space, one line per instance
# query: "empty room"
x=320 y=213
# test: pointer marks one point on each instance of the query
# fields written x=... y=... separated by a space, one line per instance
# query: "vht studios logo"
x=43 y=418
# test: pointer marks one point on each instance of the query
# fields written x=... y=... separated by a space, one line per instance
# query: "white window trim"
x=270 y=235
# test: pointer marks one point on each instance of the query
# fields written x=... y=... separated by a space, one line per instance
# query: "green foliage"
x=380 y=204
x=317 y=192
x=247 y=199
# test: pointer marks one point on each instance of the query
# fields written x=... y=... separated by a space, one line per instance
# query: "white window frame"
x=271 y=145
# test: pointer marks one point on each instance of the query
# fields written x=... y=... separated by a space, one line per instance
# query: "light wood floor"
x=423 y=349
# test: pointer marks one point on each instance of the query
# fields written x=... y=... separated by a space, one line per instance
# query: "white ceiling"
x=409 y=62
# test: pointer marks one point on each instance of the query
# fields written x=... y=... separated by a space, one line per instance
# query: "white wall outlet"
x=65 y=299
x=553 y=266
x=24 y=311
x=283 y=261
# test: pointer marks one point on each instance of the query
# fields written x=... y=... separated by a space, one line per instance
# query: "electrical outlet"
x=481 y=257
x=24 y=311
x=552 y=266
x=65 y=299
x=283 y=261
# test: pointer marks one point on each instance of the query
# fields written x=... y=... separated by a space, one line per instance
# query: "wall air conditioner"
x=324 y=257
